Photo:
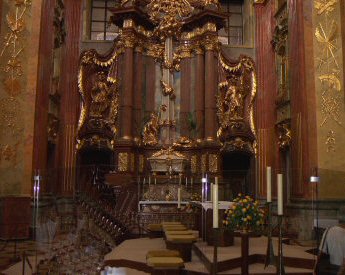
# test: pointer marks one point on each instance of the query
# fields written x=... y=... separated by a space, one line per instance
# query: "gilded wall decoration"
x=235 y=101
x=123 y=162
x=13 y=46
x=10 y=120
x=327 y=37
x=213 y=163
x=132 y=166
x=330 y=141
x=141 y=163
x=8 y=154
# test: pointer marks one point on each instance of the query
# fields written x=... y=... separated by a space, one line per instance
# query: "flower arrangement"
x=244 y=214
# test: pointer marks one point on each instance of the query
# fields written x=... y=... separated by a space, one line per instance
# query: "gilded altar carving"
x=184 y=142
x=284 y=135
x=167 y=90
x=213 y=163
x=132 y=162
x=98 y=88
x=235 y=102
x=151 y=130
x=141 y=163
x=203 y=163
x=123 y=162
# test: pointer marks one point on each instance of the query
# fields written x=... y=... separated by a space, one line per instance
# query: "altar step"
x=131 y=254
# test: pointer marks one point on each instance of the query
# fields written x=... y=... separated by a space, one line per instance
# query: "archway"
x=237 y=174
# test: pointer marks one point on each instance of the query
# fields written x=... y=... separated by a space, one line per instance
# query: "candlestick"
x=215 y=205
x=179 y=198
x=269 y=184
x=280 y=193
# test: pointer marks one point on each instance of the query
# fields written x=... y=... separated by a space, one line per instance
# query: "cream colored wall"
x=330 y=109
x=18 y=83
x=248 y=34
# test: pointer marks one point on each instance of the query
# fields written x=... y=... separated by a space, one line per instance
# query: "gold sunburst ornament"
x=169 y=15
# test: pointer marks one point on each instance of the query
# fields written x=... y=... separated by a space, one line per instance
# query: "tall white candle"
x=155 y=180
x=269 y=183
x=186 y=181
x=280 y=193
x=215 y=205
x=144 y=181
x=179 y=197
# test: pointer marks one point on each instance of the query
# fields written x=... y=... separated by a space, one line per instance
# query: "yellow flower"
x=245 y=219
x=244 y=210
x=249 y=217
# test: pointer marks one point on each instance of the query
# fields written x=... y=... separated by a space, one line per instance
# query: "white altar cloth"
x=221 y=205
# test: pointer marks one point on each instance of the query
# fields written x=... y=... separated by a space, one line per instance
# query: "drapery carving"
x=235 y=99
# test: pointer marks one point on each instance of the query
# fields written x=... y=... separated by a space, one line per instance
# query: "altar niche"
x=238 y=174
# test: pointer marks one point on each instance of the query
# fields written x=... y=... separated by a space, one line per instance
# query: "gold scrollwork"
x=213 y=163
x=123 y=162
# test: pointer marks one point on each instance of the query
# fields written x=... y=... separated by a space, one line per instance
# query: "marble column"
x=127 y=95
x=210 y=93
x=44 y=87
x=185 y=93
x=69 y=96
x=199 y=96
x=138 y=90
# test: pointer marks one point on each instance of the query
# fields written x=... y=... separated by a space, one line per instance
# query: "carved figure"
x=234 y=103
x=100 y=93
x=150 y=132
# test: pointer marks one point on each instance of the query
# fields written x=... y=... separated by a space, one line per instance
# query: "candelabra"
x=270 y=259
x=280 y=267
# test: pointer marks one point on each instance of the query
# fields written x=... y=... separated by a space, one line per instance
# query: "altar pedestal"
x=225 y=238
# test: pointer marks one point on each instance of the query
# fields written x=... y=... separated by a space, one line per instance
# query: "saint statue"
x=150 y=132
x=233 y=101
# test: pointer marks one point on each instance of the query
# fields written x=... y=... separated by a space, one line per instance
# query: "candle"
x=269 y=184
x=215 y=205
x=280 y=193
x=155 y=180
x=186 y=181
x=179 y=179
x=144 y=181
x=179 y=198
